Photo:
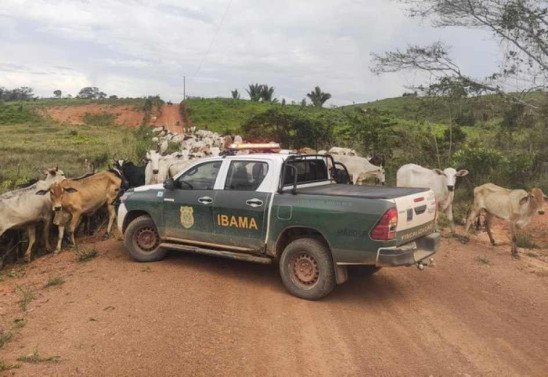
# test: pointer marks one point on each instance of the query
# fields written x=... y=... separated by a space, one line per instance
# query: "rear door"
x=240 y=210
x=188 y=213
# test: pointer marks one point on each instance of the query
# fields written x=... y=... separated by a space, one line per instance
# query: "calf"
x=73 y=198
x=441 y=182
x=22 y=209
x=515 y=206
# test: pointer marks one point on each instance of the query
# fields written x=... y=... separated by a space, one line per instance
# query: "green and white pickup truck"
x=281 y=208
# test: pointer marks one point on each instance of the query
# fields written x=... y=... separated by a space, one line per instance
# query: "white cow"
x=23 y=208
x=360 y=168
x=515 y=206
x=152 y=169
x=343 y=151
x=441 y=182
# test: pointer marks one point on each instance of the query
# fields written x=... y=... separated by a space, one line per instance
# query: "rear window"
x=307 y=171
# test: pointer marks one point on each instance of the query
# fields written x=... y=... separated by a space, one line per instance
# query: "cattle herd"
x=63 y=202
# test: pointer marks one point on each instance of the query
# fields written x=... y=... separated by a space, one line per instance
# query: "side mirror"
x=169 y=184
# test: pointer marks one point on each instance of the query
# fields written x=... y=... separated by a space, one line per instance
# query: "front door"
x=188 y=213
x=240 y=211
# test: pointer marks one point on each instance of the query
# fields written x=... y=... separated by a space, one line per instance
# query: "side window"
x=307 y=171
x=245 y=175
x=201 y=177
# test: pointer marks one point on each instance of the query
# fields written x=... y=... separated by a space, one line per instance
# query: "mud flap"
x=341 y=274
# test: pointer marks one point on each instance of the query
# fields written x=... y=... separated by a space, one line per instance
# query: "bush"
x=484 y=164
x=465 y=119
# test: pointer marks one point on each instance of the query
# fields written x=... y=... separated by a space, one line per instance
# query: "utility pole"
x=184 y=88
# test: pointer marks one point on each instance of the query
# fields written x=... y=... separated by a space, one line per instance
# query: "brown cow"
x=515 y=206
x=73 y=198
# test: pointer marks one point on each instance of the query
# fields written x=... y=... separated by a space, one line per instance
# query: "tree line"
x=265 y=93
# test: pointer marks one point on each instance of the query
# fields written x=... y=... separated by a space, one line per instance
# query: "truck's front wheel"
x=307 y=269
x=142 y=240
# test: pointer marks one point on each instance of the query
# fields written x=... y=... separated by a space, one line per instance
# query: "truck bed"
x=368 y=192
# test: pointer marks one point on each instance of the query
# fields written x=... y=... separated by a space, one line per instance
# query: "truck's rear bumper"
x=410 y=253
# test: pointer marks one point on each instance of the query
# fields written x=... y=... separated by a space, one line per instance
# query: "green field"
x=30 y=143
x=496 y=146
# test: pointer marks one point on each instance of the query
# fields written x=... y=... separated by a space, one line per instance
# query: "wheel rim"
x=147 y=239
x=305 y=270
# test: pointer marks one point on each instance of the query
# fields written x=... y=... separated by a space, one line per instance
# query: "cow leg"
x=111 y=218
x=449 y=214
x=473 y=215
x=514 y=246
x=61 y=231
x=47 y=225
x=31 y=231
x=73 y=225
x=488 y=218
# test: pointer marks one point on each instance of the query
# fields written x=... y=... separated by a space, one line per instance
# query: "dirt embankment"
x=477 y=312
x=124 y=115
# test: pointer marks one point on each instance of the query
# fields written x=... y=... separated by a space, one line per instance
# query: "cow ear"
x=524 y=200
x=70 y=190
x=462 y=173
x=41 y=192
x=438 y=171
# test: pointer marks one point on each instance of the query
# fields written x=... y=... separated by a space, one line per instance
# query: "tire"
x=142 y=240
x=316 y=276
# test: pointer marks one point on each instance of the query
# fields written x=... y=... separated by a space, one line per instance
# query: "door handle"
x=205 y=200
x=254 y=202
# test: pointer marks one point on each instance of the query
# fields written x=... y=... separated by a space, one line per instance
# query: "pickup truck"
x=285 y=209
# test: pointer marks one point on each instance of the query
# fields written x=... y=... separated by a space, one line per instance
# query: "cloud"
x=133 y=48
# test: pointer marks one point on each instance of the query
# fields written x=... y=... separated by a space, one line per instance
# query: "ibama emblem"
x=187 y=217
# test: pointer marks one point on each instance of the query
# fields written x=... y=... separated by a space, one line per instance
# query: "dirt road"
x=477 y=312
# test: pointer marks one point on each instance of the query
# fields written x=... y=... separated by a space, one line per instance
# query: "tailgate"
x=416 y=214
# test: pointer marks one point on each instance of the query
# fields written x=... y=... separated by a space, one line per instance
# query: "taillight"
x=386 y=227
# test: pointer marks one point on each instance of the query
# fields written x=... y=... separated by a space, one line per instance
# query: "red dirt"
x=125 y=115
x=477 y=312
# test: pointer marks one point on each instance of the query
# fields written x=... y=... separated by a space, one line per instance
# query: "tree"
x=255 y=92
x=290 y=130
x=57 y=93
x=519 y=25
x=23 y=93
x=318 y=97
x=267 y=93
x=91 y=92
x=235 y=94
x=261 y=92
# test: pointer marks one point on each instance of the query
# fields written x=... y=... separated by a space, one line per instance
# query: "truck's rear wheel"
x=307 y=269
x=143 y=241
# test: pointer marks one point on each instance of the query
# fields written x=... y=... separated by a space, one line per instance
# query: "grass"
x=483 y=260
x=52 y=282
x=26 y=297
x=19 y=323
x=86 y=255
x=36 y=143
x=16 y=272
x=5 y=366
x=36 y=358
x=5 y=337
x=525 y=241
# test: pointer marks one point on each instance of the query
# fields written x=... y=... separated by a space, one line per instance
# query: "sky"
x=135 y=48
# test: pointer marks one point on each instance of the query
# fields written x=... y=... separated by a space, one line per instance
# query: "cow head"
x=536 y=198
x=57 y=191
x=450 y=176
x=153 y=158
x=54 y=174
